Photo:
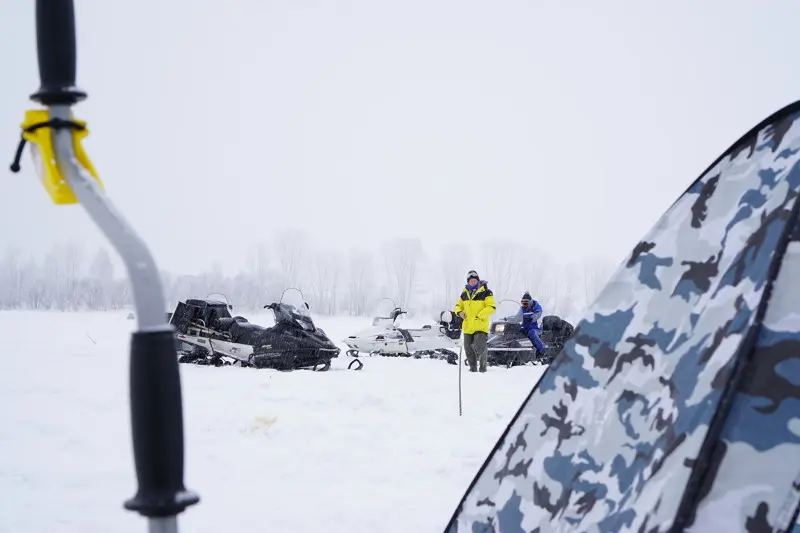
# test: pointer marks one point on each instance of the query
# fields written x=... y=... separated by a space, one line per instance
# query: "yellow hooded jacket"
x=478 y=307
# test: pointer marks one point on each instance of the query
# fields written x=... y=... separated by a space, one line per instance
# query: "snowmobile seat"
x=215 y=314
x=244 y=332
x=556 y=330
x=224 y=324
x=551 y=322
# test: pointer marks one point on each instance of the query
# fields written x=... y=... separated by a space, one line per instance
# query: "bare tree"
x=71 y=255
x=596 y=272
x=99 y=286
x=545 y=287
x=323 y=278
x=537 y=273
x=402 y=257
x=360 y=281
x=503 y=265
x=333 y=281
x=35 y=286
x=101 y=267
x=121 y=294
x=573 y=301
x=214 y=279
x=11 y=278
x=291 y=251
x=568 y=305
x=54 y=278
x=258 y=278
x=455 y=263
x=258 y=261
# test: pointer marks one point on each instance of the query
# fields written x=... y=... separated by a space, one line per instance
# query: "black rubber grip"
x=157 y=424
x=55 y=40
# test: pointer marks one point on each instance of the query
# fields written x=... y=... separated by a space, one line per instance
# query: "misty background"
x=360 y=149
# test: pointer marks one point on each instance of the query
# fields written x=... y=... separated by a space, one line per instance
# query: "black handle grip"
x=157 y=423
x=55 y=41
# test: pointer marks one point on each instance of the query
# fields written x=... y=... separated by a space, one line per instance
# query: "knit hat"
x=472 y=274
x=526 y=297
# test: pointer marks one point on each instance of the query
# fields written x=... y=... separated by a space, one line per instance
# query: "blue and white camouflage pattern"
x=756 y=466
x=676 y=404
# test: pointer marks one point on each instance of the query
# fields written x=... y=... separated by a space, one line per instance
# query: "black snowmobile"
x=207 y=334
x=508 y=346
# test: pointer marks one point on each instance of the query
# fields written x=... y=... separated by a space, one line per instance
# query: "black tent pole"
x=155 y=387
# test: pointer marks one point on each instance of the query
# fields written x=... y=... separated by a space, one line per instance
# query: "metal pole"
x=155 y=388
x=460 y=364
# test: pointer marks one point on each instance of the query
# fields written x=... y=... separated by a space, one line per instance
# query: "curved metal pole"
x=155 y=388
x=145 y=280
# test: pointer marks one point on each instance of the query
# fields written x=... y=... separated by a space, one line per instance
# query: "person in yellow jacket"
x=475 y=305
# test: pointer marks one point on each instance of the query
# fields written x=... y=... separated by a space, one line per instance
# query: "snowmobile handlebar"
x=56 y=50
x=69 y=177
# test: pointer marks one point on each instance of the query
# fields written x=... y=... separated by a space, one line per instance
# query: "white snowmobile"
x=386 y=338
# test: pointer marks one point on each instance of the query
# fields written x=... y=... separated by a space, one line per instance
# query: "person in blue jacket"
x=529 y=313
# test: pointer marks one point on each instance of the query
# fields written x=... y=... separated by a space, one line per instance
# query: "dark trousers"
x=475 y=347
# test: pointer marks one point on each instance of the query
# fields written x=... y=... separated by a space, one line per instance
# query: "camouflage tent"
x=676 y=405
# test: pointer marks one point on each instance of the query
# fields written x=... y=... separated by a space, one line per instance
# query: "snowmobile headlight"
x=500 y=328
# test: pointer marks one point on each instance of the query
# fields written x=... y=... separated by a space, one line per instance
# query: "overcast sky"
x=572 y=125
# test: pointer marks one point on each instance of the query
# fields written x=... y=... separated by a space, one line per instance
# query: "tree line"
x=418 y=278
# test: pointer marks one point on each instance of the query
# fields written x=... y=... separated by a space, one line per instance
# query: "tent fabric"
x=676 y=404
x=759 y=442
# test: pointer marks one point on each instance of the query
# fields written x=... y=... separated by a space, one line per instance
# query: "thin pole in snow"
x=460 y=354
x=69 y=177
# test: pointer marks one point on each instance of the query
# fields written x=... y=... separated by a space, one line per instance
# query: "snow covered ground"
x=380 y=450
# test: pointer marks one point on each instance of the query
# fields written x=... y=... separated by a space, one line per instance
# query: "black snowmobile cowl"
x=207 y=334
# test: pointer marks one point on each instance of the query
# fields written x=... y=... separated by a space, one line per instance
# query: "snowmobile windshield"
x=293 y=310
x=506 y=309
x=384 y=312
x=384 y=308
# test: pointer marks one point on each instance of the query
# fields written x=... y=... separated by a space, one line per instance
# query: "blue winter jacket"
x=529 y=316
